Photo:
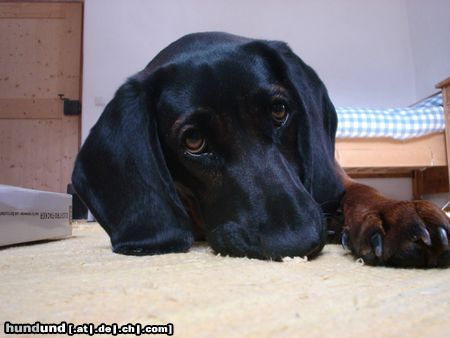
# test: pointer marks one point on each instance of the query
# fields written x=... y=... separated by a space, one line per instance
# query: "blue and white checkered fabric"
x=424 y=118
x=433 y=101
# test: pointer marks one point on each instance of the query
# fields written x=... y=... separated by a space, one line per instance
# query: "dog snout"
x=265 y=213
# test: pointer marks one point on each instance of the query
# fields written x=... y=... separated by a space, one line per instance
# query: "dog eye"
x=279 y=113
x=194 y=141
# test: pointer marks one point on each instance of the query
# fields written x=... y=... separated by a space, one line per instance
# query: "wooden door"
x=40 y=57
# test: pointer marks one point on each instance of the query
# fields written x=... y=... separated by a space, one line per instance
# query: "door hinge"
x=71 y=107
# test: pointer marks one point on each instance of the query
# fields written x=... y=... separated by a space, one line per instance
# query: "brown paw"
x=398 y=233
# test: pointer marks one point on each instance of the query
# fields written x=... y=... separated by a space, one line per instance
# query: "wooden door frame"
x=80 y=84
x=81 y=47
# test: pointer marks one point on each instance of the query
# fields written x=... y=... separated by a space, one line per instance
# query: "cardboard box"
x=31 y=215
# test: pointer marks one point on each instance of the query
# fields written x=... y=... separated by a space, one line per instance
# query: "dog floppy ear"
x=317 y=130
x=121 y=175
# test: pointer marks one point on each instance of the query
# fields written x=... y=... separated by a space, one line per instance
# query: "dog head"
x=231 y=135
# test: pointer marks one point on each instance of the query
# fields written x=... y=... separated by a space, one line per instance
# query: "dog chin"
x=232 y=239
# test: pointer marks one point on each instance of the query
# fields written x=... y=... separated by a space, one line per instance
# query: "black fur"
x=258 y=190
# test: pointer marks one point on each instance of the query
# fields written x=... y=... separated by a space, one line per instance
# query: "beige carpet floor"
x=80 y=280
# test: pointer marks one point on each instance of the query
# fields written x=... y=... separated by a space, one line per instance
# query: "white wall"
x=361 y=49
x=429 y=23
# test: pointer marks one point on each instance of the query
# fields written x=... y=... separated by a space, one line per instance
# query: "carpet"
x=79 y=280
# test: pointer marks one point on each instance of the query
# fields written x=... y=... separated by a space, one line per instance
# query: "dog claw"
x=425 y=237
x=345 y=240
x=443 y=236
x=377 y=244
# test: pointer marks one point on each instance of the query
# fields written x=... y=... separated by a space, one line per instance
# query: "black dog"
x=233 y=139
